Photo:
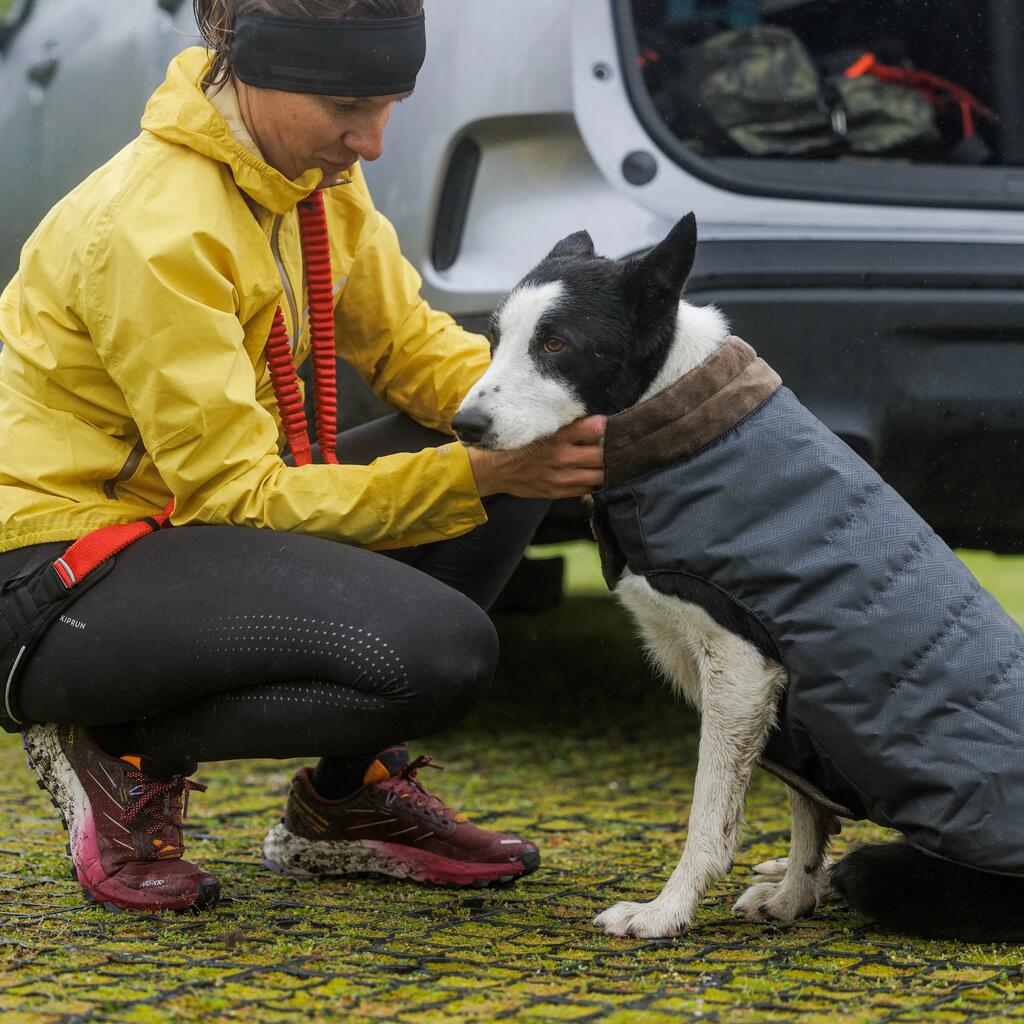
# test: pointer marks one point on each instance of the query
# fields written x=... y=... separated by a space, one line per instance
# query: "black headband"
x=329 y=57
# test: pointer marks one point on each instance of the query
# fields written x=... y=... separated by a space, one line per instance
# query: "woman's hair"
x=216 y=20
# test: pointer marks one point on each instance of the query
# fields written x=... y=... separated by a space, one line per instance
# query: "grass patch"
x=1003 y=576
x=578 y=747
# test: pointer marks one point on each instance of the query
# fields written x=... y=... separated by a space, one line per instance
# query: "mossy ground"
x=576 y=747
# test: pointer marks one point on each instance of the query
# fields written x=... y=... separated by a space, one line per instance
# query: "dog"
x=583 y=335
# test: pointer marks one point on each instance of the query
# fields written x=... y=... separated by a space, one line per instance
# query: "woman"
x=137 y=373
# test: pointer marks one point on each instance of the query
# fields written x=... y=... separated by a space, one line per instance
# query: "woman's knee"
x=456 y=664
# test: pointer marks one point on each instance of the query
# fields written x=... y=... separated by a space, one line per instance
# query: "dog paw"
x=769 y=901
x=641 y=920
x=772 y=870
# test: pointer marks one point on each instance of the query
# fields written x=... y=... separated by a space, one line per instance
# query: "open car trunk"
x=910 y=102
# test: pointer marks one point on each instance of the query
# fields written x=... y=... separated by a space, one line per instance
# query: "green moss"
x=589 y=755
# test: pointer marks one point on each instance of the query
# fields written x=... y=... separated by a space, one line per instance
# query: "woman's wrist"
x=482 y=464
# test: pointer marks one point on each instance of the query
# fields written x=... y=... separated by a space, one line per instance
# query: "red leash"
x=92 y=550
x=316 y=258
x=934 y=88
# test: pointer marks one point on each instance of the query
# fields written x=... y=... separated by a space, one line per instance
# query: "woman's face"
x=296 y=132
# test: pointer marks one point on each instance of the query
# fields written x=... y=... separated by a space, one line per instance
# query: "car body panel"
x=114 y=54
x=902 y=326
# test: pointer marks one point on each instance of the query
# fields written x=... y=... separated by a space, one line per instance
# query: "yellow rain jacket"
x=133 y=366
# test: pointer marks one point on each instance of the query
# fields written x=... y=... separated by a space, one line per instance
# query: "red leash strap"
x=316 y=258
x=92 y=550
x=286 y=390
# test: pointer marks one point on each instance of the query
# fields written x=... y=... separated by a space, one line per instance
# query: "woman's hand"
x=566 y=465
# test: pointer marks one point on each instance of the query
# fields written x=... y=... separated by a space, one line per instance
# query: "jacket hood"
x=180 y=113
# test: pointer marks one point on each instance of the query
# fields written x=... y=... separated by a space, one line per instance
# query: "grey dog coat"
x=905 y=700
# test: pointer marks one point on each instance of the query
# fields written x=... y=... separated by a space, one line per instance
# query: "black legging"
x=222 y=642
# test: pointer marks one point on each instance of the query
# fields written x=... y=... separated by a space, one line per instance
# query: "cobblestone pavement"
x=599 y=773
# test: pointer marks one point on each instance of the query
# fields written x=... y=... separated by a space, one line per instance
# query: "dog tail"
x=908 y=891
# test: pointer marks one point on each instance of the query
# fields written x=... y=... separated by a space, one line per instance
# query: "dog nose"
x=471 y=425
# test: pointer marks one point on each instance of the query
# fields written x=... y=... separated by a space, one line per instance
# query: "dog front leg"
x=734 y=726
x=804 y=875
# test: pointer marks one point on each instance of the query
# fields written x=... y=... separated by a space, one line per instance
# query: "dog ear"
x=662 y=273
x=579 y=244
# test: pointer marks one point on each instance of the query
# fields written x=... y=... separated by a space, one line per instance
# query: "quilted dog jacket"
x=905 y=701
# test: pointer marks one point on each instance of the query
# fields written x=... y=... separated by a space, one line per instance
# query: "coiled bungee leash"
x=29 y=603
x=316 y=259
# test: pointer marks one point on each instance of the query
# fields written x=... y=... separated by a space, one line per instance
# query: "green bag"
x=757 y=92
x=885 y=119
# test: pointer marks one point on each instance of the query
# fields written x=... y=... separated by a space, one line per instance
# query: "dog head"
x=580 y=335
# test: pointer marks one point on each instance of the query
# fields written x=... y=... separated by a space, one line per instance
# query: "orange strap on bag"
x=934 y=88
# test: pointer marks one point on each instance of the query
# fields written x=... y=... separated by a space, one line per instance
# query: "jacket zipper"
x=275 y=248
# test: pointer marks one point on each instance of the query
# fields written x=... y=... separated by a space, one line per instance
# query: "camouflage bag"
x=882 y=119
x=758 y=92
x=878 y=117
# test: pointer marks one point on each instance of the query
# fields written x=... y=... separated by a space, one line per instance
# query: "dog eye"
x=554 y=345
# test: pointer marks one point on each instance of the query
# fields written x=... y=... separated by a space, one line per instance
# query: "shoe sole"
x=47 y=759
x=288 y=854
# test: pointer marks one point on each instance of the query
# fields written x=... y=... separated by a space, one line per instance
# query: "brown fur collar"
x=688 y=415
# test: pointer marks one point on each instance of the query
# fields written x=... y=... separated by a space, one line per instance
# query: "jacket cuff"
x=469 y=509
x=459 y=512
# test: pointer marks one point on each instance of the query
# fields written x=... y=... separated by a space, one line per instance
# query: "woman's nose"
x=368 y=142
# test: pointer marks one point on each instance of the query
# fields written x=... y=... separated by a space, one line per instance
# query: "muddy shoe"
x=391 y=826
x=123 y=817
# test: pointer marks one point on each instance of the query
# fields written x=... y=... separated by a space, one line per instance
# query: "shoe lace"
x=149 y=793
x=408 y=787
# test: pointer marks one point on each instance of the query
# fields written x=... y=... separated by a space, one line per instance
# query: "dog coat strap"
x=613 y=561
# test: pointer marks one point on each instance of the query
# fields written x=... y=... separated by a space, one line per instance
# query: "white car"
x=887 y=290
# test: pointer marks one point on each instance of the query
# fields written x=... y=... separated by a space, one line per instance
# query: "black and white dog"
x=584 y=335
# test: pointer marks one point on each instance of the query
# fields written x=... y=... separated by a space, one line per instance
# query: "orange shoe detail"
x=376 y=773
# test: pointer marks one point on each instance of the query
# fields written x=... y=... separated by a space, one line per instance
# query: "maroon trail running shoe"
x=123 y=817
x=391 y=826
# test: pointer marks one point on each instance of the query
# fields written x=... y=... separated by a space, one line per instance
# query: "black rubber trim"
x=929 y=185
x=780 y=264
x=453 y=208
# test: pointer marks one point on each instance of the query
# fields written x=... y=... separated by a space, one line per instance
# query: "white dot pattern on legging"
x=373 y=657
x=308 y=693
